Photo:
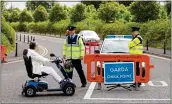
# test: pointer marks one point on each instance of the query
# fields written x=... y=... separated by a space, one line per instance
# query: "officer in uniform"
x=73 y=49
x=136 y=47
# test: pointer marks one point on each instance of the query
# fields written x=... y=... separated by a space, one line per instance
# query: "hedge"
x=8 y=35
x=154 y=30
x=157 y=32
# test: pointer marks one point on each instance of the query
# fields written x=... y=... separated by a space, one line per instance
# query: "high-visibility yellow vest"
x=135 y=45
x=73 y=48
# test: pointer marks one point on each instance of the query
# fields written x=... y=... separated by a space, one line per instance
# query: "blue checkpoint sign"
x=119 y=72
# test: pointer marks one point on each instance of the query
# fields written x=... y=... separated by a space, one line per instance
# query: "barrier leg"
x=3 y=60
x=119 y=85
x=137 y=87
x=99 y=87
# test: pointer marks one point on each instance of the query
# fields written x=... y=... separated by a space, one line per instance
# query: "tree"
x=95 y=3
x=126 y=3
x=14 y=17
x=111 y=11
x=40 y=14
x=78 y=13
x=163 y=13
x=168 y=7
x=25 y=16
x=6 y=15
x=57 y=13
x=145 y=10
x=3 y=5
x=32 y=5
x=91 y=12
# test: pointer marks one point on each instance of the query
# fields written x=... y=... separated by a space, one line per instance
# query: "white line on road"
x=93 y=84
x=159 y=57
x=45 y=52
x=90 y=90
x=134 y=99
x=162 y=82
x=14 y=62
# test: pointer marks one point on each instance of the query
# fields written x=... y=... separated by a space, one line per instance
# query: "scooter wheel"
x=30 y=91
x=69 y=90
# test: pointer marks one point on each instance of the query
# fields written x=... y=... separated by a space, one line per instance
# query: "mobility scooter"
x=32 y=86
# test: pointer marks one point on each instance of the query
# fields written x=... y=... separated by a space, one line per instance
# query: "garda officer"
x=136 y=47
x=73 y=49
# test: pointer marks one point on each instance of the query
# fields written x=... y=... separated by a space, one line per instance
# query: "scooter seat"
x=39 y=76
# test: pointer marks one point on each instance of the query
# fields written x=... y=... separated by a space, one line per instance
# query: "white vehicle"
x=88 y=35
x=114 y=44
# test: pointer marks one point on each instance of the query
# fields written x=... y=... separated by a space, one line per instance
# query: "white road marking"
x=56 y=41
x=14 y=62
x=45 y=52
x=126 y=99
x=90 y=90
x=93 y=84
x=163 y=83
x=158 y=57
x=143 y=84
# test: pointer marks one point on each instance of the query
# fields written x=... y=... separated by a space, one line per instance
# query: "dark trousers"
x=77 y=65
x=138 y=70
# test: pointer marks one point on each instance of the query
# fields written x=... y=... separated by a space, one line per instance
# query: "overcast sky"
x=22 y=4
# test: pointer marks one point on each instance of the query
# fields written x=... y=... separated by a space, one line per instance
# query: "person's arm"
x=82 y=47
x=134 y=43
x=64 y=49
x=35 y=56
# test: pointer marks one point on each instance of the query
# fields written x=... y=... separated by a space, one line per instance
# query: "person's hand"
x=51 y=61
x=81 y=58
x=64 y=57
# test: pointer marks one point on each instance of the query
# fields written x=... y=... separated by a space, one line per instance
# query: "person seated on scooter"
x=38 y=61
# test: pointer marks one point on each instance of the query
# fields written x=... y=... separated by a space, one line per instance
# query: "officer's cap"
x=135 y=29
x=71 y=27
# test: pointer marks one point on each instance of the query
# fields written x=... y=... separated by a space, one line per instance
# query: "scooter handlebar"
x=55 y=58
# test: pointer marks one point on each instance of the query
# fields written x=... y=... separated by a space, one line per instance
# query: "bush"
x=157 y=32
x=23 y=27
x=14 y=17
x=49 y=27
x=8 y=35
x=42 y=27
x=15 y=25
x=5 y=41
x=6 y=14
x=32 y=27
x=60 y=27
